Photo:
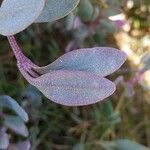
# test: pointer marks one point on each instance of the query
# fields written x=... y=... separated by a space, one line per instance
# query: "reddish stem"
x=22 y=61
x=16 y=49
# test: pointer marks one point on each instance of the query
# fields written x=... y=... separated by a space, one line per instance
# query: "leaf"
x=16 y=124
x=26 y=145
x=16 y=15
x=33 y=96
x=112 y=11
x=74 y=88
x=8 y=102
x=108 y=113
x=78 y=147
x=56 y=9
x=4 y=139
x=70 y=21
x=125 y=144
x=99 y=60
x=86 y=10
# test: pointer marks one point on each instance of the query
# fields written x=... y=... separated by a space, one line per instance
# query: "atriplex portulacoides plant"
x=74 y=79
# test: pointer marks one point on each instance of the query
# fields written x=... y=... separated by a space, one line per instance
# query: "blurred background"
x=120 y=122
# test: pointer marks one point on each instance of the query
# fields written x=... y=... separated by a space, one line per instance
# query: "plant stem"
x=16 y=49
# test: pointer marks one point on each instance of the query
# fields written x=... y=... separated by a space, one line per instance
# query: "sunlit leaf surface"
x=56 y=9
x=16 y=15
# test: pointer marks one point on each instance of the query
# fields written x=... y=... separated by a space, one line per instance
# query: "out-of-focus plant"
x=122 y=144
x=15 y=123
x=94 y=19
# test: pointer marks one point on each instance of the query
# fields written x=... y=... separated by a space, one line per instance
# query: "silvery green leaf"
x=86 y=10
x=74 y=88
x=124 y=144
x=70 y=21
x=16 y=15
x=112 y=11
x=56 y=9
x=8 y=102
x=4 y=139
x=25 y=145
x=99 y=60
x=78 y=147
x=16 y=124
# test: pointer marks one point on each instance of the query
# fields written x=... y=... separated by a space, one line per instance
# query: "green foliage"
x=86 y=10
x=8 y=102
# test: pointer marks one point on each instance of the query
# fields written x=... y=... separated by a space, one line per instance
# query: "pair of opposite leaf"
x=17 y=15
x=74 y=79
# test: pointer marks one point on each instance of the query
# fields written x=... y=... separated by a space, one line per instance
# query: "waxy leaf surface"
x=16 y=15
x=4 y=139
x=73 y=88
x=99 y=60
x=26 y=145
x=86 y=10
x=8 y=102
x=16 y=124
x=125 y=144
x=56 y=9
